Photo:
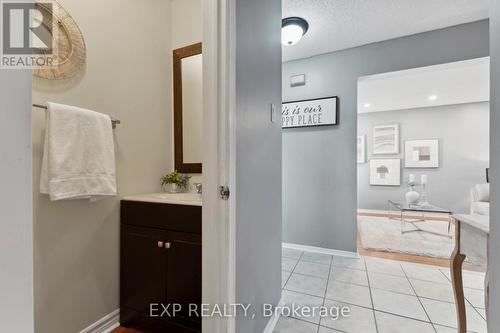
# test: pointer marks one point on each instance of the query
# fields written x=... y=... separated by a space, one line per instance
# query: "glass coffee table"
x=403 y=208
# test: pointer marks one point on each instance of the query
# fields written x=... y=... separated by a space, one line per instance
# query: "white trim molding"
x=322 y=250
x=104 y=325
x=218 y=234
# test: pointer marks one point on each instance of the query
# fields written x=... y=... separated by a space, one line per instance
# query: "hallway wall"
x=16 y=211
x=494 y=241
x=257 y=188
x=319 y=164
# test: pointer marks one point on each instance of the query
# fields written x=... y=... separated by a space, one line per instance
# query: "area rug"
x=384 y=234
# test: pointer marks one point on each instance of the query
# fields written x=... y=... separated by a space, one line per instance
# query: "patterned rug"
x=384 y=234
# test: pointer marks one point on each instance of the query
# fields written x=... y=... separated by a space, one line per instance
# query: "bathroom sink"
x=176 y=196
x=191 y=199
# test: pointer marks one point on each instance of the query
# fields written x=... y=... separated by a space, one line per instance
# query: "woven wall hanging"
x=71 y=50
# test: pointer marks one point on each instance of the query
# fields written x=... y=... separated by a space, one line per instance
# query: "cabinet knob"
x=160 y=244
x=168 y=245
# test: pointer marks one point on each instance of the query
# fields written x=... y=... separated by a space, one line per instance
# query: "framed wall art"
x=422 y=153
x=386 y=139
x=385 y=172
x=361 y=149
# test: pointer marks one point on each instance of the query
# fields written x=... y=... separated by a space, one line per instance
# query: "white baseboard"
x=104 y=325
x=372 y=211
x=322 y=250
x=273 y=321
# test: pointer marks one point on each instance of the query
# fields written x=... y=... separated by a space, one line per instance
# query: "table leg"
x=401 y=216
x=457 y=260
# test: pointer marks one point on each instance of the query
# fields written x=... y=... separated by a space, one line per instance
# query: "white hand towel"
x=78 y=158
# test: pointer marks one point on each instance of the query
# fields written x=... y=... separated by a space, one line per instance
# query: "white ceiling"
x=454 y=83
x=341 y=24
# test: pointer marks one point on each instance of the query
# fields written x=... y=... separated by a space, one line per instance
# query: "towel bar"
x=114 y=121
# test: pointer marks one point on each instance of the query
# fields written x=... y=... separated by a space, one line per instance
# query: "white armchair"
x=480 y=199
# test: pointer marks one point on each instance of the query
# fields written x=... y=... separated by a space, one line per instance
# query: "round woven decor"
x=71 y=50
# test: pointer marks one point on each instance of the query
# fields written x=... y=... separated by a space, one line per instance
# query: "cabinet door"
x=142 y=267
x=184 y=271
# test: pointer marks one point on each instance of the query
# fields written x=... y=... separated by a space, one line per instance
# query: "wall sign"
x=311 y=112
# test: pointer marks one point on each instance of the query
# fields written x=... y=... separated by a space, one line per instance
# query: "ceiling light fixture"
x=367 y=105
x=432 y=97
x=292 y=30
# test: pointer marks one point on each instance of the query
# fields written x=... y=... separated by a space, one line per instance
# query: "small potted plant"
x=175 y=182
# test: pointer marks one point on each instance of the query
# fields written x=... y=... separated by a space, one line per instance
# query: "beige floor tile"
x=291 y=253
x=305 y=284
x=291 y=325
x=444 y=314
x=291 y=299
x=398 y=304
x=388 y=323
x=438 y=291
x=284 y=277
x=347 y=275
x=424 y=272
x=348 y=293
x=398 y=284
x=360 y=319
x=352 y=263
x=313 y=269
x=390 y=267
x=319 y=258
x=288 y=264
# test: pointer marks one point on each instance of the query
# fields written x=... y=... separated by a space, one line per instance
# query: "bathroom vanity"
x=161 y=262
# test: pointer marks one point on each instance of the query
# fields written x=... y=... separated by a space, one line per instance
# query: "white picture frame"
x=422 y=153
x=385 y=172
x=386 y=139
x=361 y=149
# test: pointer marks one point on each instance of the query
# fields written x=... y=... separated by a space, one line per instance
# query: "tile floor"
x=384 y=296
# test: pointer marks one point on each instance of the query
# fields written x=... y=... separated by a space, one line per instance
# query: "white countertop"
x=187 y=199
x=481 y=222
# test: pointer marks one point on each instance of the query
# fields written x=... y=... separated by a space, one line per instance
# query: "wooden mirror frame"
x=178 y=55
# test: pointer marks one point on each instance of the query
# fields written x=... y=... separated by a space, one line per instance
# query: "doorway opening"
x=422 y=154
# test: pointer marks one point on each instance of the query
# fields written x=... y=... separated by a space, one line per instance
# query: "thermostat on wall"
x=297 y=80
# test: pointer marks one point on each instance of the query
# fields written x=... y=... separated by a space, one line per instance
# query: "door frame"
x=218 y=227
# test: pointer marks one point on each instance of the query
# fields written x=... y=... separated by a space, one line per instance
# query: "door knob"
x=160 y=244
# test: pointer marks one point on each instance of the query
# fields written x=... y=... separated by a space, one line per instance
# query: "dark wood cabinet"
x=160 y=266
x=184 y=284
x=143 y=268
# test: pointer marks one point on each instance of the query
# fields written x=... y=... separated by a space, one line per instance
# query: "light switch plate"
x=297 y=80
x=273 y=113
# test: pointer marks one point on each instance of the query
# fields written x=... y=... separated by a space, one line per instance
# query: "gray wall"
x=16 y=222
x=16 y=213
x=494 y=242
x=319 y=174
x=463 y=133
x=258 y=163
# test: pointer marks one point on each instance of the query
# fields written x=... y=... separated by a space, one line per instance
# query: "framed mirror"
x=188 y=109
